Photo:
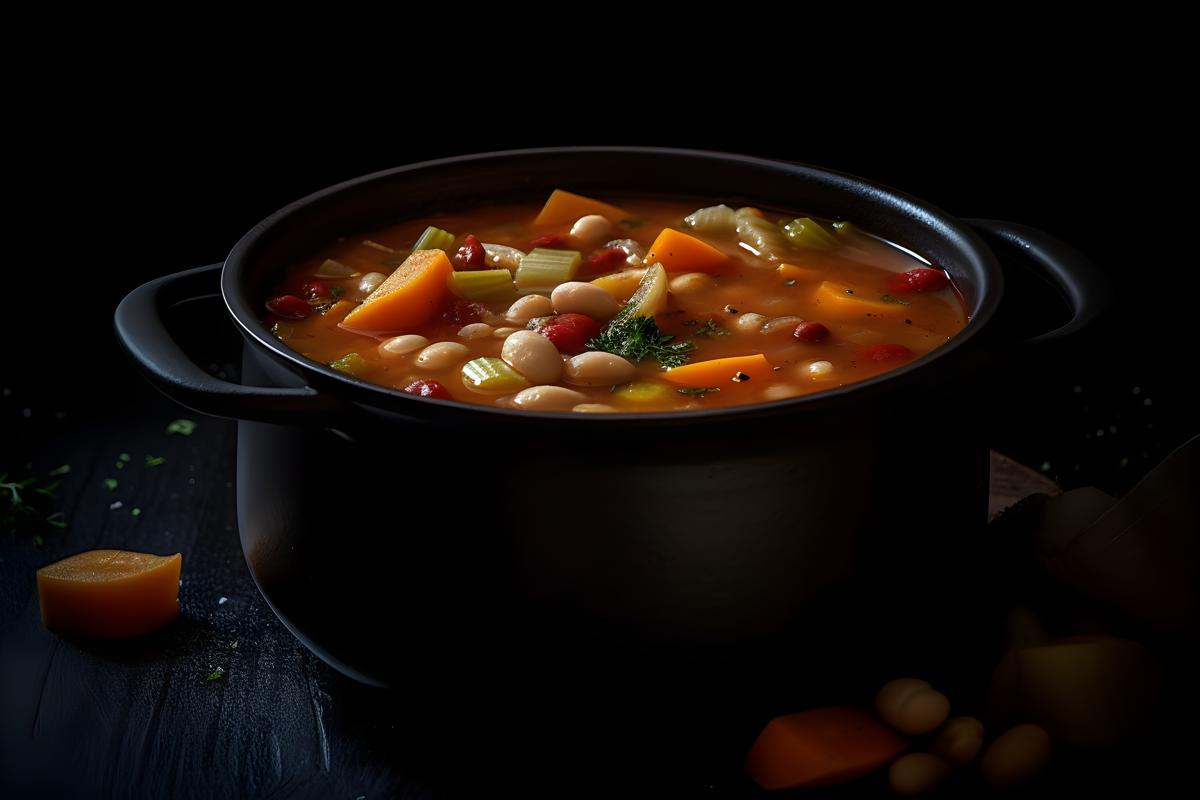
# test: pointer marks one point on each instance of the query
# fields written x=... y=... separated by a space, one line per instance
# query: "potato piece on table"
x=109 y=594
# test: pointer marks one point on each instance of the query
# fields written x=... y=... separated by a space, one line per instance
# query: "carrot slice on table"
x=564 y=207
x=109 y=593
x=820 y=747
x=720 y=372
x=408 y=298
x=680 y=252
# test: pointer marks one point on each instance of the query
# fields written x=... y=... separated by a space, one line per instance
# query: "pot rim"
x=954 y=231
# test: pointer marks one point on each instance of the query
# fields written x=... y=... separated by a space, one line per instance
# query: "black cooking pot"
x=410 y=542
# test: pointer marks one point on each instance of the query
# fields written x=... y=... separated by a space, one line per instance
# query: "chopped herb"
x=63 y=470
x=711 y=329
x=38 y=540
x=336 y=291
x=110 y=483
x=184 y=427
x=1045 y=466
x=155 y=461
x=790 y=282
x=124 y=457
x=57 y=519
x=633 y=222
x=135 y=511
x=638 y=337
x=697 y=391
x=887 y=298
x=119 y=465
x=216 y=675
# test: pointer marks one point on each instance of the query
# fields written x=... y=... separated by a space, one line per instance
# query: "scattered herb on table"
x=110 y=484
x=184 y=427
x=638 y=337
x=697 y=391
x=216 y=675
x=136 y=512
x=63 y=470
x=710 y=329
x=29 y=504
x=155 y=461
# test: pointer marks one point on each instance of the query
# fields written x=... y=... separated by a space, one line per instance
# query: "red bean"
x=471 y=254
x=606 y=260
x=921 y=279
x=886 y=352
x=315 y=289
x=570 y=332
x=811 y=332
x=463 y=312
x=289 y=306
x=428 y=389
x=551 y=240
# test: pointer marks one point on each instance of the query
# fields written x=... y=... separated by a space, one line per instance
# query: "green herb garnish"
x=124 y=457
x=887 y=298
x=638 y=337
x=29 y=504
x=135 y=511
x=184 y=427
x=110 y=484
x=710 y=329
x=155 y=461
x=216 y=675
x=698 y=391
x=63 y=470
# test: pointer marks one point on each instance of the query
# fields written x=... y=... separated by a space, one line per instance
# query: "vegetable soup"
x=620 y=305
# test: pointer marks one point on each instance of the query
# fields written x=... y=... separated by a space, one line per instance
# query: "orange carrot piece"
x=681 y=252
x=408 y=298
x=719 y=372
x=565 y=207
x=791 y=272
x=109 y=594
x=839 y=301
x=821 y=747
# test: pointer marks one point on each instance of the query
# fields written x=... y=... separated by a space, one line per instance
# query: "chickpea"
x=690 y=282
x=594 y=408
x=959 y=741
x=598 y=369
x=548 y=398
x=532 y=355
x=578 y=297
x=917 y=773
x=912 y=706
x=402 y=345
x=749 y=323
x=1017 y=757
x=442 y=355
x=591 y=230
x=528 y=307
x=476 y=330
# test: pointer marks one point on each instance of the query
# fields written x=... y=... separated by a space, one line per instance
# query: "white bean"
x=370 y=282
x=503 y=333
x=781 y=391
x=1017 y=756
x=749 y=323
x=590 y=230
x=819 y=369
x=579 y=297
x=594 y=408
x=917 y=773
x=599 y=369
x=442 y=355
x=690 y=282
x=912 y=706
x=402 y=345
x=476 y=330
x=528 y=307
x=532 y=355
x=959 y=741
x=548 y=398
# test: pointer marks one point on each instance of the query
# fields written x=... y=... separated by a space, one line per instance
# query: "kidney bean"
x=606 y=260
x=811 y=332
x=428 y=389
x=463 y=312
x=555 y=241
x=886 y=352
x=570 y=332
x=921 y=279
x=314 y=289
x=289 y=306
x=471 y=254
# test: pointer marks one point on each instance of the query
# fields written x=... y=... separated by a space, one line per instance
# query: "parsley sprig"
x=638 y=337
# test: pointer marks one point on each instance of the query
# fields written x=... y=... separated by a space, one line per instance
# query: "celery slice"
x=351 y=364
x=762 y=238
x=714 y=219
x=543 y=269
x=485 y=285
x=644 y=392
x=434 y=239
x=804 y=232
x=492 y=376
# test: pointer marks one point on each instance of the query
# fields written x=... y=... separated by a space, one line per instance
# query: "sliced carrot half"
x=109 y=593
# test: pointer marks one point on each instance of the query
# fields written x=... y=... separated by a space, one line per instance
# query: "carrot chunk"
x=839 y=301
x=109 y=594
x=564 y=207
x=821 y=747
x=408 y=298
x=680 y=252
x=723 y=373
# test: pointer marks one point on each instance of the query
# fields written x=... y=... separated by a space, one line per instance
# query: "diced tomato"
x=463 y=312
x=471 y=254
x=811 y=332
x=289 y=306
x=921 y=279
x=606 y=260
x=570 y=332
x=555 y=241
x=886 y=352
x=315 y=289
x=428 y=389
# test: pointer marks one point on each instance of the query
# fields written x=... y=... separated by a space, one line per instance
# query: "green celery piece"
x=485 y=285
x=804 y=232
x=433 y=238
x=351 y=364
x=492 y=376
x=544 y=268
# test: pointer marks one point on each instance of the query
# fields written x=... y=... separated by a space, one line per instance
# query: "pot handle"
x=1086 y=288
x=142 y=332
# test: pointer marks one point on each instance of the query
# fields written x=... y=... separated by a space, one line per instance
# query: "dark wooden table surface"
x=224 y=702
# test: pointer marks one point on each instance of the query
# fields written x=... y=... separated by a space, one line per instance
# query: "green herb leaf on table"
x=216 y=675
x=110 y=484
x=638 y=337
x=63 y=470
x=183 y=427
x=155 y=461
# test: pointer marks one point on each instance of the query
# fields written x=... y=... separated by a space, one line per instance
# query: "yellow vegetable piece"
x=643 y=392
x=621 y=285
x=565 y=207
x=109 y=593
x=408 y=298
